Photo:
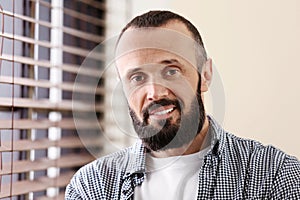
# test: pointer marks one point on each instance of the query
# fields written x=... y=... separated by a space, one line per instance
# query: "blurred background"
x=61 y=104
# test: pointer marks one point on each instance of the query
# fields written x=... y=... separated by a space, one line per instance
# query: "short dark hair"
x=158 y=18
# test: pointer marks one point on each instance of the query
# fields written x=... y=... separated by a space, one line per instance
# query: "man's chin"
x=172 y=146
x=157 y=124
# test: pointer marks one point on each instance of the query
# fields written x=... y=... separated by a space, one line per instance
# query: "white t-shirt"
x=173 y=178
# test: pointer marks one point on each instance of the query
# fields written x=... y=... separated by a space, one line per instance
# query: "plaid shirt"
x=234 y=168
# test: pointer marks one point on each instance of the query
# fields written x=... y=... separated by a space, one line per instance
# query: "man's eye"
x=172 y=72
x=137 y=78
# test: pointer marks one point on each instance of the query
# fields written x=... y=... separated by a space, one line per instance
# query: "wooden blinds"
x=43 y=44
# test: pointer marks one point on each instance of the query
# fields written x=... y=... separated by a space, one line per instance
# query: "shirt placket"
x=207 y=178
x=130 y=182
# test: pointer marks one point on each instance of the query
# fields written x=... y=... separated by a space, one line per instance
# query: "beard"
x=167 y=134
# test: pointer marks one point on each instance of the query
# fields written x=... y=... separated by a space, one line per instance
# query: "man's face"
x=162 y=91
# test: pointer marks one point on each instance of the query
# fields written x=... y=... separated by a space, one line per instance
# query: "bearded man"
x=182 y=153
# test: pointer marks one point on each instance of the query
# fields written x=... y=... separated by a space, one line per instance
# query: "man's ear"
x=206 y=75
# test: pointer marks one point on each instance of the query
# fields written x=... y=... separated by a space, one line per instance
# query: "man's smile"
x=162 y=112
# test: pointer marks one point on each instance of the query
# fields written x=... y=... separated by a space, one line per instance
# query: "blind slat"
x=95 y=4
x=45 y=124
x=60 y=196
x=44 y=3
x=25 y=60
x=81 y=16
x=43 y=63
x=70 y=160
x=66 y=142
x=82 y=34
x=83 y=52
x=64 y=105
x=46 y=84
x=26 y=124
x=26 y=40
x=24 y=187
x=78 y=15
x=68 y=30
x=75 y=69
x=69 y=49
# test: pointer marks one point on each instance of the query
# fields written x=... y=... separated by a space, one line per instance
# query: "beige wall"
x=255 y=46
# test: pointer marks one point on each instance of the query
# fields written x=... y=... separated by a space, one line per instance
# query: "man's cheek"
x=186 y=96
x=136 y=106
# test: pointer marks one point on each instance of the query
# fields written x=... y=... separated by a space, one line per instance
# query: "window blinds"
x=42 y=46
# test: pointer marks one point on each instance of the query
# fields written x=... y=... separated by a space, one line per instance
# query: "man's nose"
x=156 y=91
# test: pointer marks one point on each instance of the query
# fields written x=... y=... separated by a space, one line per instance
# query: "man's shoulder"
x=247 y=152
x=117 y=162
x=103 y=176
x=230 y=144
x=256 y=154
x=261 y=166
x=250 y=147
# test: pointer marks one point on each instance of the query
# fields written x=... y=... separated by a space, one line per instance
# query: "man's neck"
x=194 y=146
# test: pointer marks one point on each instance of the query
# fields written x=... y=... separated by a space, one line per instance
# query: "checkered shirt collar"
x=137 y=157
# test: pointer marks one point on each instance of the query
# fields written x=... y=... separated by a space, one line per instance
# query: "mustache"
x=156 y=104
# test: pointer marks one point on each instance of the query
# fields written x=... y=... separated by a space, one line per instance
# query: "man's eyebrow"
x=169 y=61
x=132 y=71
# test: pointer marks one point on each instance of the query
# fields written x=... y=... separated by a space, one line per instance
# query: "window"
x=42 y=47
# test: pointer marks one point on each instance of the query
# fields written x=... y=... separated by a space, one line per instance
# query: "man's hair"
x=158 y=18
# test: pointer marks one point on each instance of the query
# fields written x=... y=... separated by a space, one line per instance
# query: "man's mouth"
x=162 y=112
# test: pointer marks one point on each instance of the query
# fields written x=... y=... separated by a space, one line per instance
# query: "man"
x=182 y=153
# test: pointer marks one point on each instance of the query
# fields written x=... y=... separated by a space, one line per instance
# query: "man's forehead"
x=144 y=56
x=149 y=59
x=159 y=38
